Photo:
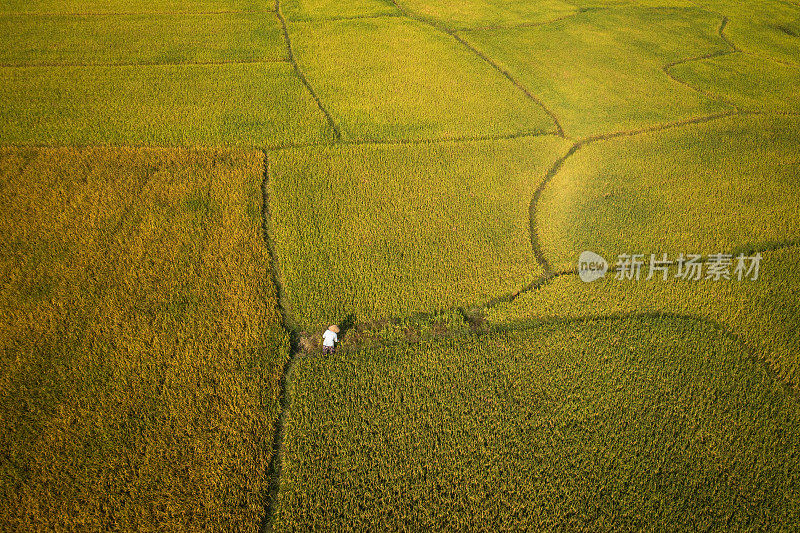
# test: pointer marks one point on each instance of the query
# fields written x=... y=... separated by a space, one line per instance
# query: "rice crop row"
x=608 y=425
x=385 y=231
x=140 y=344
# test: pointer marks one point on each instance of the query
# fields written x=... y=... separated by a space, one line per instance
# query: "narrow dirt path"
x=287 y=321
x=337 y=134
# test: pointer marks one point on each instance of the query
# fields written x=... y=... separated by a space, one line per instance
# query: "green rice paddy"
x=193 y=191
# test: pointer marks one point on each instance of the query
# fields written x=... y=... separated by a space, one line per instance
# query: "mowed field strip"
x=194 y=190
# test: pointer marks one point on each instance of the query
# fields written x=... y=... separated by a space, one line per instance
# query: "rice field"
x=714 y=187
x=387 y=231
x=749 y=82
x=767 y=30
x=481 y=13
x=764 y=313
x=140 y=39
x=141 y=343
x=192 y=191
x=299 y=10
x=93 y=7
x=410 y=81
x=602 y=71
x=612 y=424
x=239 y=104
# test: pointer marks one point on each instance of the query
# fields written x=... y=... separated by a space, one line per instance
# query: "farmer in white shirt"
x=329 y=340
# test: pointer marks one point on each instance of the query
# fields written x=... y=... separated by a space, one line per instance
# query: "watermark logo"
x=591 y=267
x=689 y=267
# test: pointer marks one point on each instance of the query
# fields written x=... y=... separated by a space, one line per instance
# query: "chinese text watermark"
x=689 y=267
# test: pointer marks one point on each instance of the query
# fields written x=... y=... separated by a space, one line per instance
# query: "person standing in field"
x=329 y=340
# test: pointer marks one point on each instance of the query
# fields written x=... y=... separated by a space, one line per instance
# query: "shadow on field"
x=346 y=325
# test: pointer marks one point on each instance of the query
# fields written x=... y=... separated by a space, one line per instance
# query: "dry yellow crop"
x=140 y=346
